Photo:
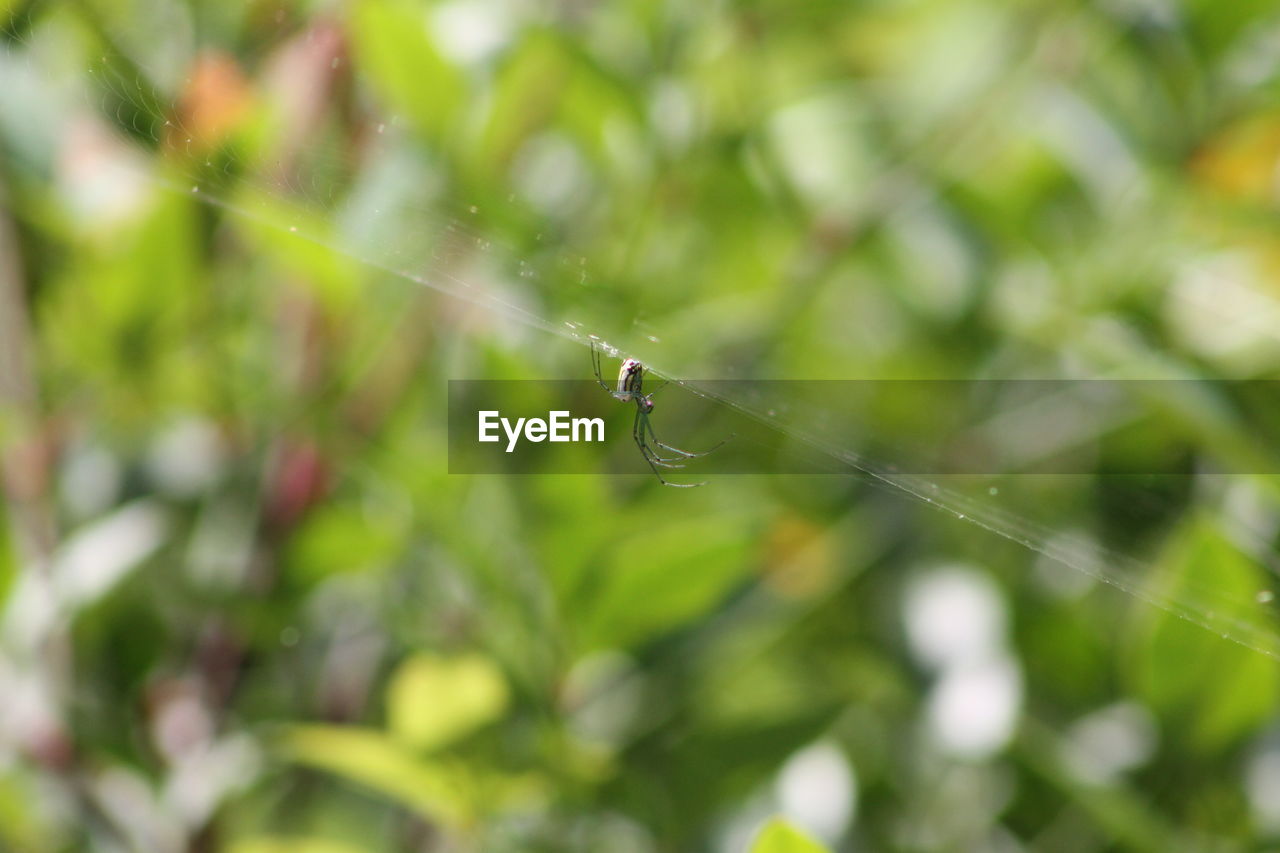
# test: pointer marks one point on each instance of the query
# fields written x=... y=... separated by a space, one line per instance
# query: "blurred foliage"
x=243 y=246
x=780 y=837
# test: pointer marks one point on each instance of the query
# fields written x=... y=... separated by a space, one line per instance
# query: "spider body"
x=630 y=389
x=630 y=380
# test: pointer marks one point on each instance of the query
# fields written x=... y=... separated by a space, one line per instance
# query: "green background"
x=243 y=246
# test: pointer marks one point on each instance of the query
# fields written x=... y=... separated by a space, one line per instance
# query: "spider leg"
x=654 y=460
x=643 y=424
x=687 y=454
x=637 y=432
x=667 y=482
x=595 y=363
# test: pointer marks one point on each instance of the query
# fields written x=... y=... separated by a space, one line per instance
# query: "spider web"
x=432 y=238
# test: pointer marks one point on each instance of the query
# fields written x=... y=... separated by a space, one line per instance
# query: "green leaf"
x=778 y=836
x=453 y=793
x=394 y=48
x=1214 y=690
x=342 y=537
x=373 y=759
x=124 y=315
x=526 y=95
x=281 y=844
x=433 y=701
x=8 y=564
x=20 y=819
x=672 y=574
x=547 y=81
x=300 y=240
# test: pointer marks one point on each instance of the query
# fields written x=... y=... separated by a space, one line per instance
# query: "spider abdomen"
x=630 y=379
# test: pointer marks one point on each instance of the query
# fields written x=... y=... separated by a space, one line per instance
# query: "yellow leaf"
x=778 y=836
x=433 y=701
x=282 y=844
x=371 y=758
x=1242 y=159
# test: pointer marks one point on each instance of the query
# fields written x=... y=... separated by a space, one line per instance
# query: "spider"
x=629 y=389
